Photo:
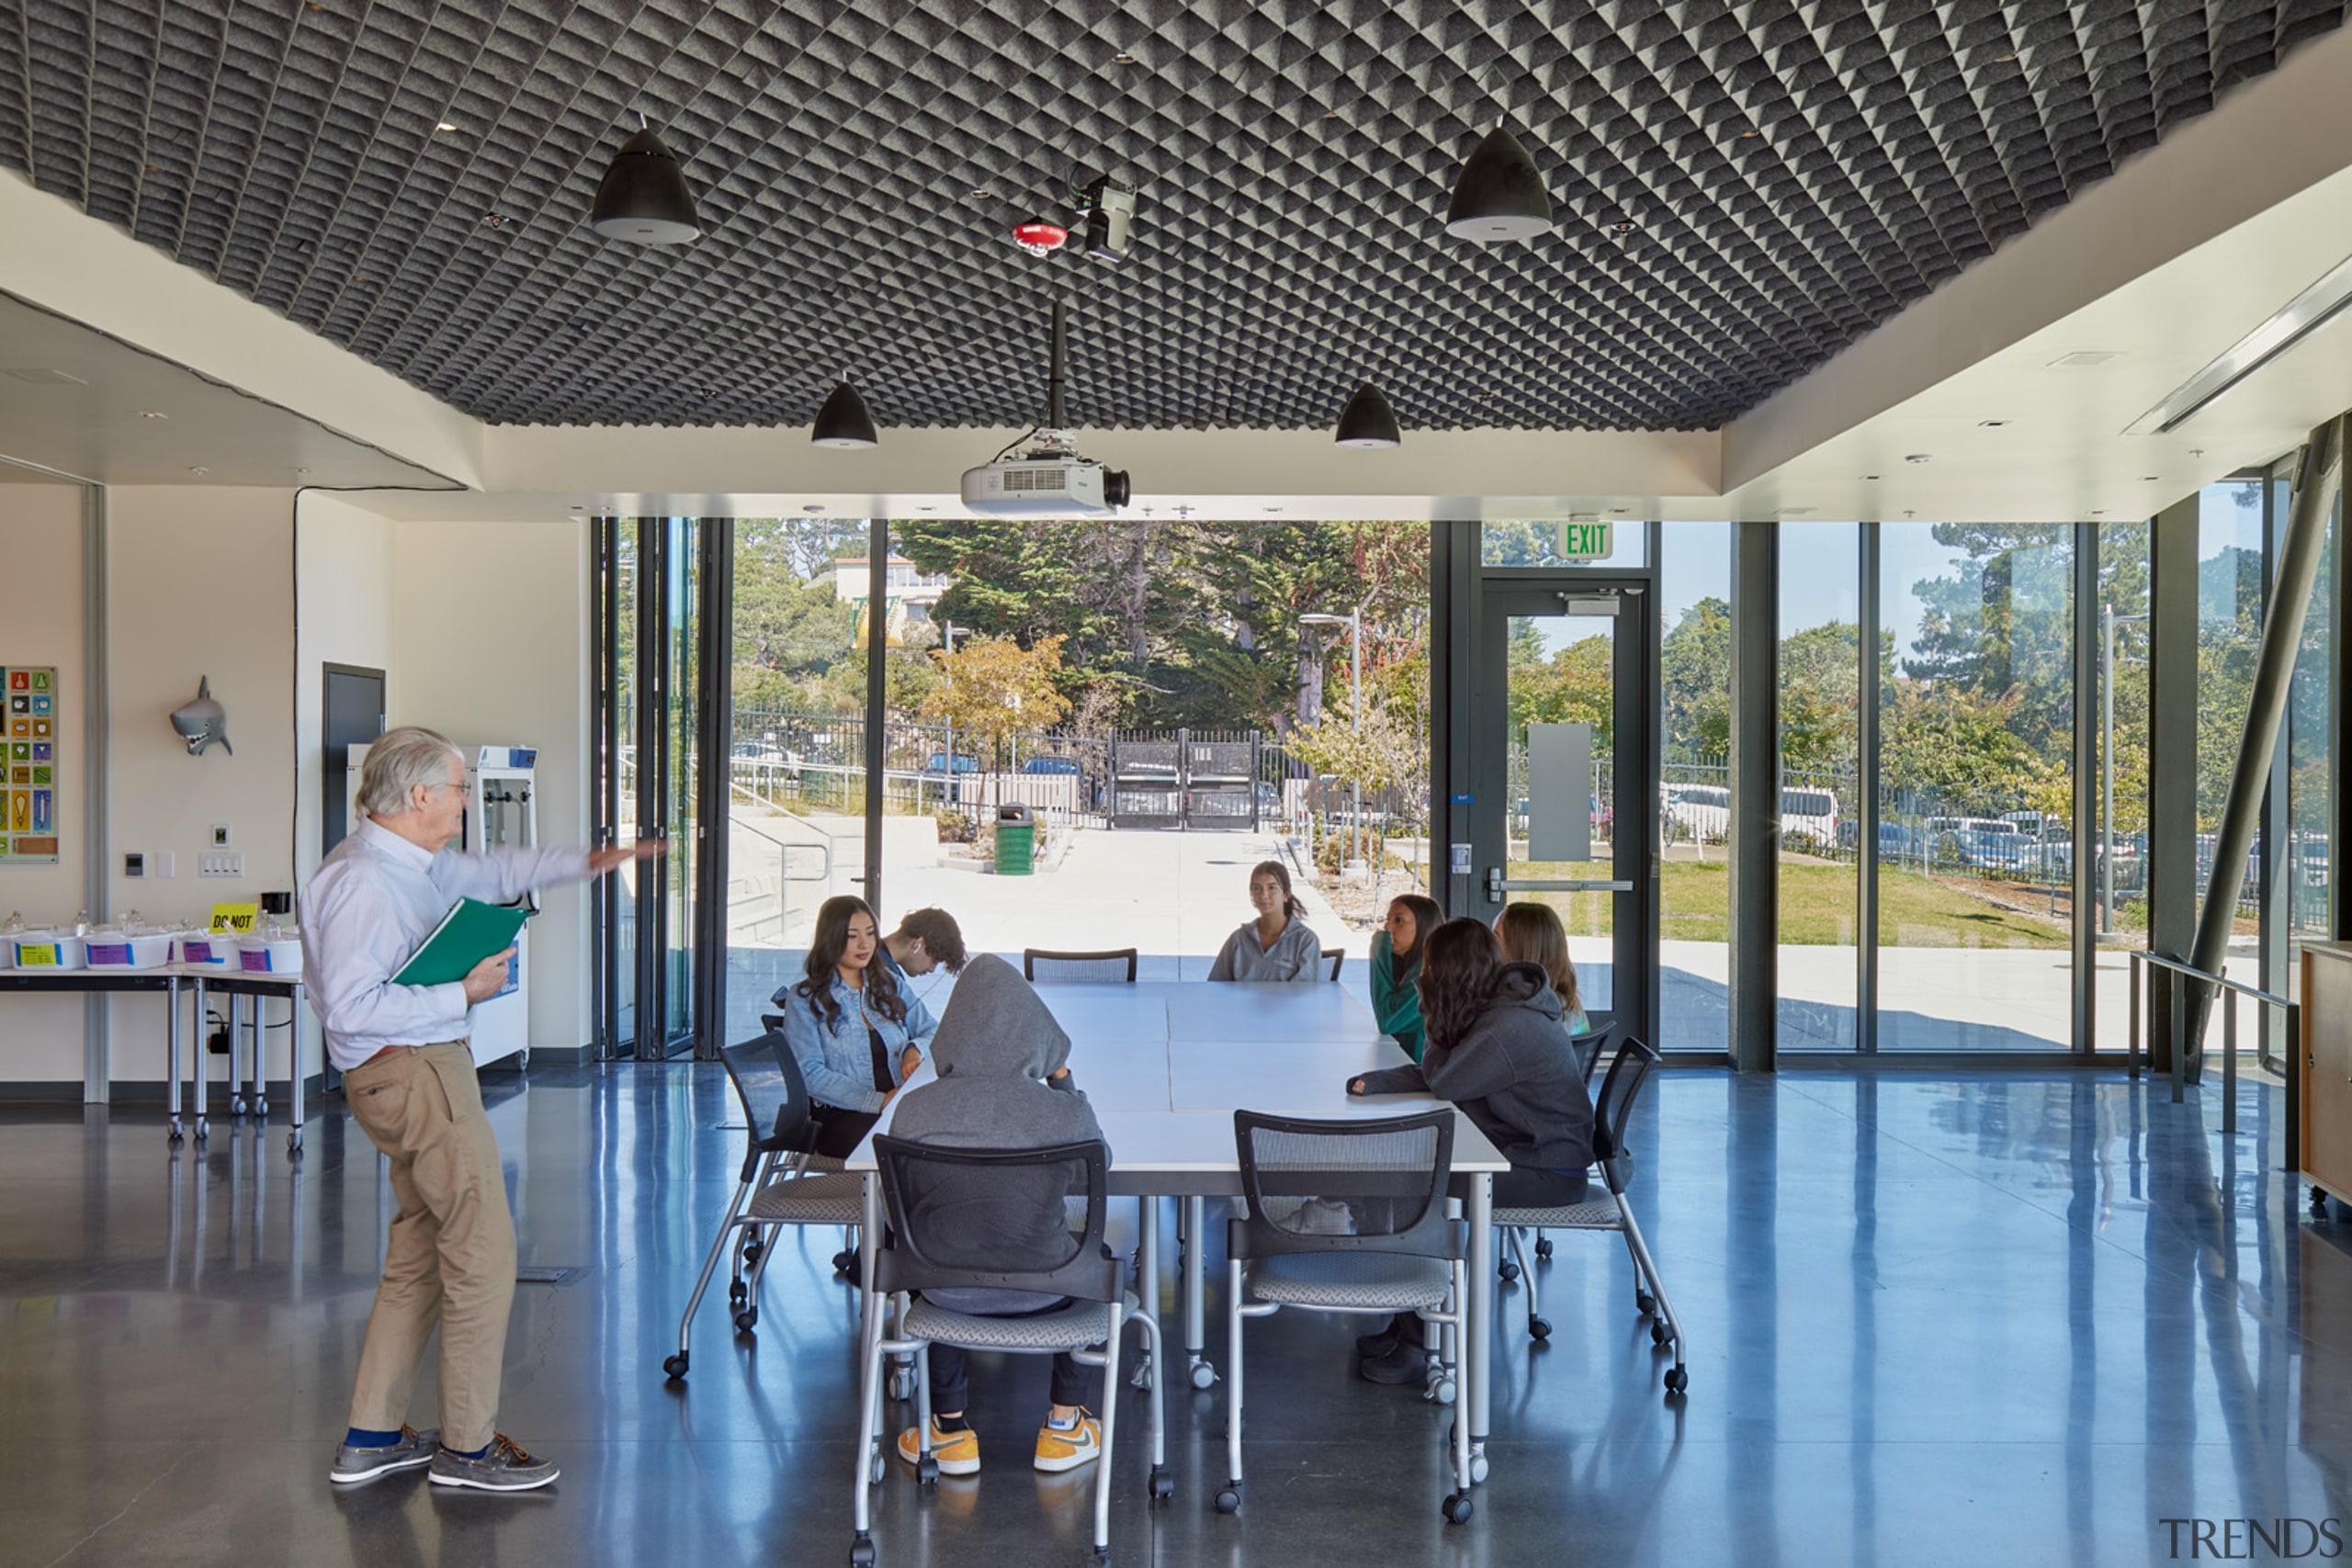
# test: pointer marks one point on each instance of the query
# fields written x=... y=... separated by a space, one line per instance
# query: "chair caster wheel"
x=1203 y=1374
x=747 y=1320
x=1479 y=1468
x=1543 y=1249
x=1643 y=1302
x=1141 y=1380
x=1456 y=1509
x=1440 y=1390
x=860 y=1554
x=737 y=1292
x=675 y=1367
x=927 y=1471
x=751 y=1250
x=876 y=1469
x=1228 y=1500
x=1163 y=1486
x=903 y=1383
x=844 y=1262
x=1661 y=1335
x=1676 y=1380
x=1509 y=1272
x=1539 y=1329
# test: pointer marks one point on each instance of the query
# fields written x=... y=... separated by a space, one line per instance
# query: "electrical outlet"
x=219 y=835
x=166 y=863
x=135 y=864
x=220 y=866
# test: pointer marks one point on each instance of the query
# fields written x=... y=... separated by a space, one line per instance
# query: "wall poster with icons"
x=28 y=783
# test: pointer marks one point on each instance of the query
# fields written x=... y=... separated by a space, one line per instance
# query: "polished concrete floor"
x=2013 y=1320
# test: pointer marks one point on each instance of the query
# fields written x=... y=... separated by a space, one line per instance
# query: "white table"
x=1165 y=1064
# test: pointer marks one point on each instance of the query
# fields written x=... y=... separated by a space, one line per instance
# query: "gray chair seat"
x=1600 y=1214
x=1374 y=1282
x=837 y=1200
x=1074 y=1327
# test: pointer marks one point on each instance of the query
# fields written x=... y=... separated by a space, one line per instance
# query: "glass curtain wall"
x=2120 y=803
x=1694 y=804
x=2312 y=803
x=2232 y=585
x=1976 y=787
x=1819 y=672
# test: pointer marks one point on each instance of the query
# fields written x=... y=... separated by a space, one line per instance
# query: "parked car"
x=1697 y=811
x=1065 y=766
x=939 y=763
x=1808 y=817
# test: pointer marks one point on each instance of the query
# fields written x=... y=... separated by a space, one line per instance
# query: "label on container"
x=195 y=951
x=36 y=956
x=110 y=953
x=255 y=963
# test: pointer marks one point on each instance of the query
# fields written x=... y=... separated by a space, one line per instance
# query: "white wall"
x=41 y=623
x=490 y=639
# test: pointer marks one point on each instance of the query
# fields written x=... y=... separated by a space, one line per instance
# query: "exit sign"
x=1584 y=541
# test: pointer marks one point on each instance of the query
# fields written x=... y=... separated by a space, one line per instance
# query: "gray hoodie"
x=996 y=1047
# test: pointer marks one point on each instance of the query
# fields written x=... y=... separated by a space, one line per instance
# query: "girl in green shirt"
x=1397 y=968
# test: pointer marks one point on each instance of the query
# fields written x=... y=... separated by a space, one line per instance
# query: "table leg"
x=236 y=1067
x=294 y=1067
x=1153 y=1373
x=172 y=1052
x=1197 y=1367
x=260 y=1098
x=1478 y=1338
x=203 y=1050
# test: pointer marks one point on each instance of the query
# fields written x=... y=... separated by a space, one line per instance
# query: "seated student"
x=853 y=1033
x=1496 y=1050
x=1277 y=944
x=1397 y=968
x=1002 y=1084
x=1531 y=933
x=926 y=939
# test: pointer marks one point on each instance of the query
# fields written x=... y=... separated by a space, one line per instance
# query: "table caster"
x=176 y=1134
x=236 y=1105
x=1228 y=1498
x=1203 y=1374
x=1456 y=1509
x=674 y=1368
x=1164 y=1485
x=203 y=1129
x=294 y=1142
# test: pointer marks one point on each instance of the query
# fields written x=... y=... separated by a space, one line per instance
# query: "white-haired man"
x=408 y=1078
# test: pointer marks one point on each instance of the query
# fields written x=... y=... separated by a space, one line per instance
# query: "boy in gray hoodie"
x=1003 y=1083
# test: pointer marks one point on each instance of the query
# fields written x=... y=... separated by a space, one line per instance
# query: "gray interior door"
x=352 y=713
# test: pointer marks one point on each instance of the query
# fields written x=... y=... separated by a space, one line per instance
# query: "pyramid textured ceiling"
x=1743 y=189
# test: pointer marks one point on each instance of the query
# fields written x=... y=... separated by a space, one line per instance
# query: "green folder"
x=467 y=934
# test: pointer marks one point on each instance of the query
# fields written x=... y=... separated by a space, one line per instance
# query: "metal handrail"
x=2183 y=973
x=823 y=845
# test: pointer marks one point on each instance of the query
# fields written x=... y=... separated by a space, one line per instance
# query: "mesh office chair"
x=1115 y=967
x=776 y=1109
x=1338 y=957
x=1349 y=1217
x=1629 y=1071
x=1587 y=1046
x=928 y=1248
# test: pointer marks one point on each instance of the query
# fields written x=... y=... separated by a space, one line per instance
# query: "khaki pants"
x=450 y=1259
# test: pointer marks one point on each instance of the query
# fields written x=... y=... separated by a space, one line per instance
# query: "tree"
x=1576 y=685
x=1694 y=667
x=991 y=687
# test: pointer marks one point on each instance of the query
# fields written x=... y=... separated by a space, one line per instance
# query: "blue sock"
x=359 y=1438
x=476 y=1454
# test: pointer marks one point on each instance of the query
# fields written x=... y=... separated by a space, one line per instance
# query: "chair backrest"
x=775 y=1099
x=1337 y=955
x=1629 y=1070
x=1373 y=1185
x=1116 y=966
x=949 y=1211
x=1588 y=1049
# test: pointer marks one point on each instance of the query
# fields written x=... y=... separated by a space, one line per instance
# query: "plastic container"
x=205 y=949
x=52 y=950
x=128 y=949
x=277 y=953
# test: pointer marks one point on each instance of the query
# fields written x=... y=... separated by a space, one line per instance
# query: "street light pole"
x=2107 y=620
x=1353 y=621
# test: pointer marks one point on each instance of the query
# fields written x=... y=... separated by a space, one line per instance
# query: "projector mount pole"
x=1055 y=379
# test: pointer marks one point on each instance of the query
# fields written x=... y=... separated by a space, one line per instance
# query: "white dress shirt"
x=372 y=904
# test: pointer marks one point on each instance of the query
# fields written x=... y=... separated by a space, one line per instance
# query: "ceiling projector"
x=1049 y=481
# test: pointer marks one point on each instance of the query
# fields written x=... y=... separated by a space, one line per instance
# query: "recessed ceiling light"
x=1916 y=458
x=1122 y=58
x=579 y=508
x=1621 y=510
x=1991 y=423
x=2082 y=359
x=2147 y=479
x=1798 y=511
x=2096 y=512
x=926 y=509
x=1749 y=135
x=813 y=510
x=981 y=193
x=151 y=413
x=1273 y=511
x=2006 y=59
x=199 y=469
x=301 y=470
x=445 y=125
x=1870 y=476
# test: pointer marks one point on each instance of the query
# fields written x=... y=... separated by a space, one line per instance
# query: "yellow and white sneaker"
x=958 y=1453
x=1066 y=1448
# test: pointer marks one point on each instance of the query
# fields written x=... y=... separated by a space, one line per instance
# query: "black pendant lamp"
x=1501 y=195
x=1368 y=423
x=643 y=198
x=844 y=423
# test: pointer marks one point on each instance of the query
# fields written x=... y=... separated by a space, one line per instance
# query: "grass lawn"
x=1816 y=908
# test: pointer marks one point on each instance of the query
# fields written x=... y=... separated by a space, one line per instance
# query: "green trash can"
x=1016 y=841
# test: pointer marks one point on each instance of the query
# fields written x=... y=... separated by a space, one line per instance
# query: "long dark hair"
x=1292 y=907
x=1459 y=962
x=1531 y=933
x=825 y=949
x=1427 y=917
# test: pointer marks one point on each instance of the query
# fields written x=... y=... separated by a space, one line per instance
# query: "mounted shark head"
x=203 y=721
